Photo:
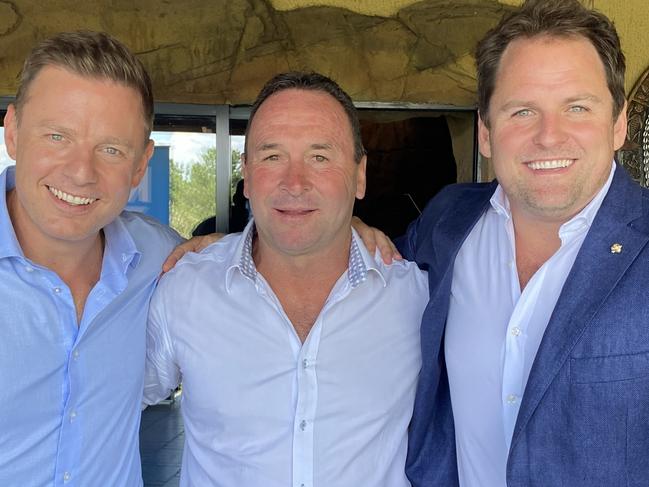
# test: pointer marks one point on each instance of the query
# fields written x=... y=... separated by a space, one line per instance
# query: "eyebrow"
x=577 y=98
x=267 y=146
x=321 y=146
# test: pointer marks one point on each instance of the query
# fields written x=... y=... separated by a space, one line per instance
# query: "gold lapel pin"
x=616 y=248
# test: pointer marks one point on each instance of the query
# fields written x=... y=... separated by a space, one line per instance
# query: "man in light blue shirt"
x=298 y=351
x=75 y=274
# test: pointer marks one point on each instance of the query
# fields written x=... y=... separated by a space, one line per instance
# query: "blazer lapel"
x=456 y=223
x=593 y=276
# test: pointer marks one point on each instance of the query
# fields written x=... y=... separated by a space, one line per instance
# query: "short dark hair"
x=554 y=18
x=91 y=54
x=311 y=82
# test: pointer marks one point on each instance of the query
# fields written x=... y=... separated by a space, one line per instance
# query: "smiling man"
x=298 y=351
x=539 y=279
x=75 y=275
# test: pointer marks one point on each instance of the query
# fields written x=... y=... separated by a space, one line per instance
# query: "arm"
x=374 y=238
x=162 y=375
x=195 y=244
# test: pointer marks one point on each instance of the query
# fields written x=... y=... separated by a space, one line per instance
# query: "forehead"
x=58 y=93
x=295 y=112
x=549 y=60
x=53 y=79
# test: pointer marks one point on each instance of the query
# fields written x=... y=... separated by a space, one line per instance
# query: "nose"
x=295 y=179
x=80 y=166
x=551 y=131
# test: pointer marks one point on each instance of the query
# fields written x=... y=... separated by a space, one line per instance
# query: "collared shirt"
x=493 y=332
x=260 y=408
x=71 y=392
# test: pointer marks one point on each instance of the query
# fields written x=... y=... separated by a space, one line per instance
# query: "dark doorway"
x=409 y=159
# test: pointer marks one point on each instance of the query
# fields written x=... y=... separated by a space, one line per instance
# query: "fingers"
x=374 y=238
x=173 y=258
x=387 y=249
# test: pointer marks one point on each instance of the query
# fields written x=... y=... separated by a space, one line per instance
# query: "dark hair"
x=554 y=18
x=311 y=82
x=91 y=54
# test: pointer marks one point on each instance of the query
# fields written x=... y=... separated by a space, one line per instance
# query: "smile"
x=69 y=198
x=554 y=164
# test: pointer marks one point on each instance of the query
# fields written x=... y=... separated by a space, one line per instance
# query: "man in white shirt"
x=298 y=351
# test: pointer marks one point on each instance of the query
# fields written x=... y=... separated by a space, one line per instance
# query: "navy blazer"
x=584 y=416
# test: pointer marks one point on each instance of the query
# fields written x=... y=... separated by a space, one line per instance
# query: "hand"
x=196 y=244
x=373 y=238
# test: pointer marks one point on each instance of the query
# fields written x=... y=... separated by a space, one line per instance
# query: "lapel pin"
x=616 y=248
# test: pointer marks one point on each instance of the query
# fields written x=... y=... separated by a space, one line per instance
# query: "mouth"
x=294 y=211
x=550 y=164
x=70 y=198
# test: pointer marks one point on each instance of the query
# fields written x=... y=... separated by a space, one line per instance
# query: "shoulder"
x=403 y=273
x=147 y=232
x=212 y=261
x=454 y=193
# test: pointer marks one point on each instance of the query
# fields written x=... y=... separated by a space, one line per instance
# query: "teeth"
x=68 y=198
x=550 y=164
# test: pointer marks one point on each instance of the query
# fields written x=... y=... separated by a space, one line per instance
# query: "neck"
x=332 y=261
x=536 y=241
x=77 y=263
x=302 y=283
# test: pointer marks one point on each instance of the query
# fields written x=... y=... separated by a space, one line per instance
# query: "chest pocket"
x=609 y=368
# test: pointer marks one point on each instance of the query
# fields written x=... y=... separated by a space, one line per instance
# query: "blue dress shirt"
x=263 y=409
x=71 y=393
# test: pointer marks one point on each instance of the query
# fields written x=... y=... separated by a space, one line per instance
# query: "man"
x=75 y=275
x=298 y=351
x=540 y=277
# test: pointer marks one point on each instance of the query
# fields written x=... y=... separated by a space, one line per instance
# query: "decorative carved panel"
x=635 y=153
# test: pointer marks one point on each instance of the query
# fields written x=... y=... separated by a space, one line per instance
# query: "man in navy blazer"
x=537 y=330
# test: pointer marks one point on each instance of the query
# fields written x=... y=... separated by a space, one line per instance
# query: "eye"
x=112 y=151
x=271 y=157
x=525 y=112
x=56 y=137
x=577 y=109
x=320 y=158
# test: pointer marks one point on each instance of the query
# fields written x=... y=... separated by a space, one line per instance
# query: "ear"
x=360 y=178
x=619 y=128
x=11 y=131
x=142 y=164
x=244 y=174
x=484 y=139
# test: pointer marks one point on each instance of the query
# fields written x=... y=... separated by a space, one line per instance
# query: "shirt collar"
x=9 y=246
x=360 y=262
x=584 y=219
x=120 y=251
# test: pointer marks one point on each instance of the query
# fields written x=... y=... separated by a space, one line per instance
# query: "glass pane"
x=239 y=208
x=192 y=177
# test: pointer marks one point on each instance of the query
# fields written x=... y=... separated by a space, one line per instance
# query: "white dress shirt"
x=493 y=332
x=260 y=408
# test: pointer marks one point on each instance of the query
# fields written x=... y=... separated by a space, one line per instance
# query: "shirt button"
x=516 y=331
x=29 y=268
x=75 y=354
x=66 y=477
x=73 y=415
x=511 y=399
x=57 y=290
x=305 y=363
x=302 y=425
